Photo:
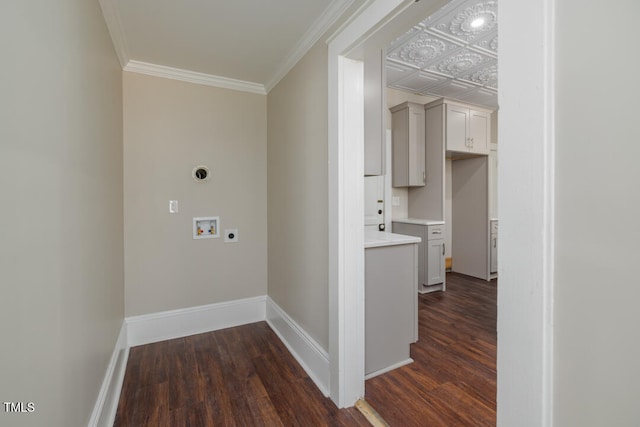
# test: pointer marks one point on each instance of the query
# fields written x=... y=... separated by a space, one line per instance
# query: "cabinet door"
x=457 y=119
x=400 y=147
x=435 y=264
x=408 y=145
x=417 y=231
x=417 y=176
x=479 y=131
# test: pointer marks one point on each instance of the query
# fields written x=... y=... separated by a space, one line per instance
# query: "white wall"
x=525 y=197
x=61 y=224
x=597 y=379
x=169 y=128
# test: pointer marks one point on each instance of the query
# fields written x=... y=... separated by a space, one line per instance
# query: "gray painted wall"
x=170 y=127
x=597 y=379
x=61 y=227
x=298 y=194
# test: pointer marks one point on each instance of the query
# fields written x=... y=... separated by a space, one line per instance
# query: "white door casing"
x=526 y=209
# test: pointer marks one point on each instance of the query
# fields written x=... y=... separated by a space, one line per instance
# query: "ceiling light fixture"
x=477 y=23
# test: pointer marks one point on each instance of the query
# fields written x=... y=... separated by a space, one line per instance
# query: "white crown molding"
x=113 y=19
x=104 y=410
x=309 y=354
x=183 y=322
x=194 y=77
x=111 y=14
x=313 y=34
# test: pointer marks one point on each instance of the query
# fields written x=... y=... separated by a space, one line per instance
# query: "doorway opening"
x=524 y=363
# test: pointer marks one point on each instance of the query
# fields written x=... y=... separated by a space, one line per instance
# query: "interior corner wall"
x=61 y=234
x=170 y=127
x=298 y=194
x=596 y=316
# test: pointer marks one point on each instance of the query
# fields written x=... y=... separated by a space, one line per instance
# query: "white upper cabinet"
x=408 y=143
x=457 y=135
x=479 y=131
x=468 y=128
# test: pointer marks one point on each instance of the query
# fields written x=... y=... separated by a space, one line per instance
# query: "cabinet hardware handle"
x=436 y=232
x=443 y=249
x=424 y=176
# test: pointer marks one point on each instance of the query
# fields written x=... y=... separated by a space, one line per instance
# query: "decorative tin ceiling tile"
x=397 y=72
x=402 y=40
x=481 y=96
x=485 y=76
x=460 y=63
x=456 y=48
x=490 y=43
x=420 y=81
x=451 y=88
x=422 y=49
x=473 y=21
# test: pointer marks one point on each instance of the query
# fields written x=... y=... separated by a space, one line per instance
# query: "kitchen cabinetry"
x=494 y=248
x=467 y=129
x=408 y=145
x=431 y=263
x=391 y=302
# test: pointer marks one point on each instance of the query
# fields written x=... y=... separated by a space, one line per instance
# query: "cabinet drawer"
x=435 y=232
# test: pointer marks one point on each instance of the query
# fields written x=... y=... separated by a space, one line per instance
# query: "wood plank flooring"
x=452 y=381
x=242 y=376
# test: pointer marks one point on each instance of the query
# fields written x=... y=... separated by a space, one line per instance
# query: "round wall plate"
x=200 y=173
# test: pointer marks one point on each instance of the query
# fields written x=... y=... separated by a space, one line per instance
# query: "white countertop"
x=418 y=221
x=376 y=239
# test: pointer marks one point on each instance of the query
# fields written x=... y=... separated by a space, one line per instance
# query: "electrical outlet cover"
x=231 y=235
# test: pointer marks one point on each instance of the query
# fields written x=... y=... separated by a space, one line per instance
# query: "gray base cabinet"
x=391 y=307
x=431 y=260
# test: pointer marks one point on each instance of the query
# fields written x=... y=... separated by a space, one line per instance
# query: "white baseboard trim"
x=104 y=411
x=148 y=328
x=388 y=368
x=309 y=354
x=167 y=325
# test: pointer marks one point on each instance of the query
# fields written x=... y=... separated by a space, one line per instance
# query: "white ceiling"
x=251 y=41
x=444 y=55
x=251 y=44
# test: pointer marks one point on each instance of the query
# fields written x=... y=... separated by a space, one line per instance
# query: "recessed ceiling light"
x=477 y=23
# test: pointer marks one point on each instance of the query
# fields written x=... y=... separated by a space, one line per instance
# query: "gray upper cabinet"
x=467 y=128
x=374 y=114
x=408 y=142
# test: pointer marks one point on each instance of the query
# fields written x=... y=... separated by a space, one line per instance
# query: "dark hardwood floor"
x=452 y=381
x=242 y=376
